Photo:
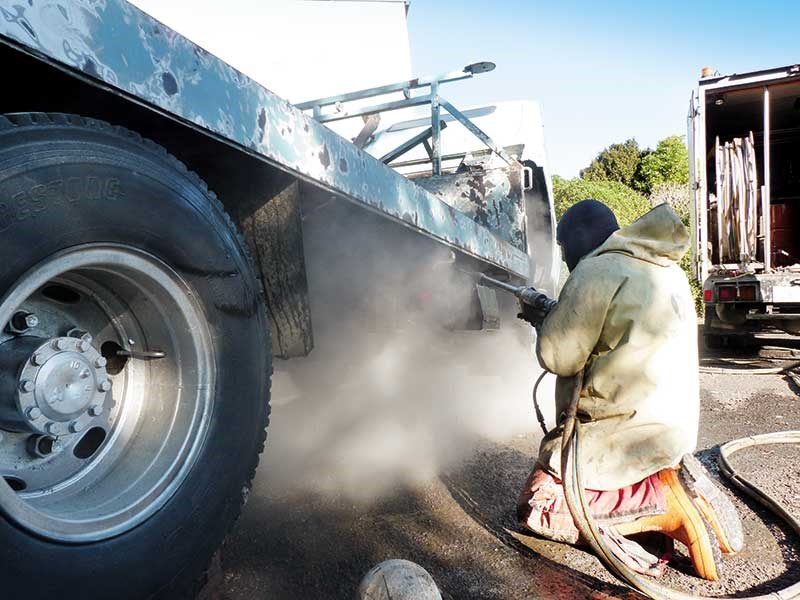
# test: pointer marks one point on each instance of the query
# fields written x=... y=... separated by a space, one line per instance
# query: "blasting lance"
x=527 y=295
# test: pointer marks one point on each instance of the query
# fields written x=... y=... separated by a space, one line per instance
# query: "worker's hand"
x=532 y=315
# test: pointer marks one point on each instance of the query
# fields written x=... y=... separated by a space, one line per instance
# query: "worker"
x=626 y=317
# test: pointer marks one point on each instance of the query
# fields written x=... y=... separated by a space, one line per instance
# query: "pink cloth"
x=542 y=507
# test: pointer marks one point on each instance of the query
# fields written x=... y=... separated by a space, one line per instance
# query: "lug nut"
x=82 y=334
x=27 y=386
x=37 y=360
x=33 y=413
x=40 y=446
x=84 y=346
x=96 y=410
x=104 y=386
x=100 y=362
x=51 y=428
x=76 y=426
x=23 y=320
x=61 y=344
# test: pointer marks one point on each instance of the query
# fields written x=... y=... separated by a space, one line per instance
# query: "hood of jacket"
x=657 y=237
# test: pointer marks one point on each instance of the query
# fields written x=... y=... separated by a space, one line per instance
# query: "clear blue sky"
x=602 y=71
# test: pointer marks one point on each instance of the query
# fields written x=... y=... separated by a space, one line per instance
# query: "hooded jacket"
x=626 y=316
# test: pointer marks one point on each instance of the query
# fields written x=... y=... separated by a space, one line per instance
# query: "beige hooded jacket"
x=626 y=315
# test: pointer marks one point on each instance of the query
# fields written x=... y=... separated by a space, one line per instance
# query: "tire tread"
x=14 y=121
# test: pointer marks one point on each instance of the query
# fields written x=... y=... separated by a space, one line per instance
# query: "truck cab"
x=744 y=138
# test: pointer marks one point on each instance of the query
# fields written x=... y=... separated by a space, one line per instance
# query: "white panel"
x=786 y=293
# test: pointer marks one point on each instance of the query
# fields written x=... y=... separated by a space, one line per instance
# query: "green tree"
x=668 y=163
x=618 y=162
x=627 y=204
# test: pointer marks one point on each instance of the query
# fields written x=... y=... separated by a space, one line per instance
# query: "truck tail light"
x=732 y=293
x=708 y=295
x=747 y=293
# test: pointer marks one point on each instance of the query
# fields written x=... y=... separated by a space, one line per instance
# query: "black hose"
x=539 y=415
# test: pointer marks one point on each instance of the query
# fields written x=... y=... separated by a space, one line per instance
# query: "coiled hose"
x=572 y=477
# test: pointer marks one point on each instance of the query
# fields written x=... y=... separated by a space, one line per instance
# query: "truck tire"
x=135 y=365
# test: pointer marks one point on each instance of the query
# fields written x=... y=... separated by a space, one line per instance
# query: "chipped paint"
x=116 y=43
x=492 y=197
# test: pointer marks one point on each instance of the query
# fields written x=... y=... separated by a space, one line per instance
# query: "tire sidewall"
x=62 y=186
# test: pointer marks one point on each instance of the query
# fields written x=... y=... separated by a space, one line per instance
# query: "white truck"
x=744 y=150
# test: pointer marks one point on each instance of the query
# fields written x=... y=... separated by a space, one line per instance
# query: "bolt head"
x=27 y=386
x=33 y=413
x=31 y=320
x=60 y=344
x=37 y=360
x=51 y=428
x=96 y=410
x=100 y=362
x=76 y=426
x=104 y=386
x=84 y=345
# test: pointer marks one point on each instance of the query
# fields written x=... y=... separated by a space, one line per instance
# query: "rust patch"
x=325 y=157
x=169 y=83
x=262 y=121
x=90 y=68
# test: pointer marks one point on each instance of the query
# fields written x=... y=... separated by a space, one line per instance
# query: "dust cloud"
x=396 y=389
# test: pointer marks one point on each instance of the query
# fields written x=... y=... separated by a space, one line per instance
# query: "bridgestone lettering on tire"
x=135 y=364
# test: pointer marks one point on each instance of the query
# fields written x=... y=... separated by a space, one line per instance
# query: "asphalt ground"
x=298 y=543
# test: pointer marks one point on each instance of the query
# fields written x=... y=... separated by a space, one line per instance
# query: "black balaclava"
x=583 y=228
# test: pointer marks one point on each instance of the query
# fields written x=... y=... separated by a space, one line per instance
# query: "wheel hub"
x=62 y=387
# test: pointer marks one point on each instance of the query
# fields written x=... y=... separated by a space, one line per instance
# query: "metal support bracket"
x=420 y=138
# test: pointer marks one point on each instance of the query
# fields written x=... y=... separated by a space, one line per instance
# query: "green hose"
x=572 y=477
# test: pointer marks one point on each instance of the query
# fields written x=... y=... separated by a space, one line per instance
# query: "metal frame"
x=420 y=138
x=436 y=101
x=766 y=197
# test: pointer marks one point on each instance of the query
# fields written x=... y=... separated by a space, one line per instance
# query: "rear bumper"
x=772 y=288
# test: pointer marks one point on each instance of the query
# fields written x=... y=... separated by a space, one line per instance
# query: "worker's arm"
x=569 y=334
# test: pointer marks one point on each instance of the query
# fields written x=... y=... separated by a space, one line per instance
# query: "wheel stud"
x=27 y=386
